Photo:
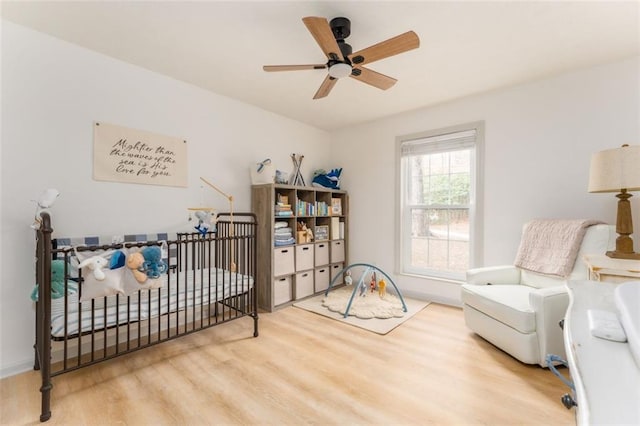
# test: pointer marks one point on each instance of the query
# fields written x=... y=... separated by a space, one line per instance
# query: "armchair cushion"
x=508 y=303
x=505 y=274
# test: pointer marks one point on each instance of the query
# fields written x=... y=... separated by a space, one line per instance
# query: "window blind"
x=440 y=143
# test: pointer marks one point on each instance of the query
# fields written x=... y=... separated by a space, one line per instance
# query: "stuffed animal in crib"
x=118 y=260
x=57 y=282
x=96 y=263
x=153 y=264
x=135 y=261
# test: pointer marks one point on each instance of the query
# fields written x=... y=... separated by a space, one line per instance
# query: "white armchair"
x=518 y=310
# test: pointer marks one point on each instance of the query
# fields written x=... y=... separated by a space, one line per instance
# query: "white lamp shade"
x=615 y=169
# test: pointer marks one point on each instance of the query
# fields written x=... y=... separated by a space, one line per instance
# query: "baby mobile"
x=206 y=217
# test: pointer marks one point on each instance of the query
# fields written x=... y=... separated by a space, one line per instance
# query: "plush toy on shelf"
x=324 y=179
x=305 y=235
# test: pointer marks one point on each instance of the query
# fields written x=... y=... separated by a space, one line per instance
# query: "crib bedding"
x=179 y=291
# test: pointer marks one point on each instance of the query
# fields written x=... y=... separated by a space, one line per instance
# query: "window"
x=439 y=199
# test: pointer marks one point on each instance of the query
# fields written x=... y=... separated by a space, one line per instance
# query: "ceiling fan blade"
x=373 y=78
x=325 y=87
x=384 y=49
x=321 y=31
x=272 y=68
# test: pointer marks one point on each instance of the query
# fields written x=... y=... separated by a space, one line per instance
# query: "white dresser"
x=605 y=374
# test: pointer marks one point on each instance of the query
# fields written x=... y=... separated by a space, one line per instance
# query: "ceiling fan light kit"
x=340 y=70
x=341 y=61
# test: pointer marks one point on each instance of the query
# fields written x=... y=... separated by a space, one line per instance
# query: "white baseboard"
x=432 y=298
x=16 y=368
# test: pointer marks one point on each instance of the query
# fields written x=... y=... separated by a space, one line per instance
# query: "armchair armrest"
x=507 y=274
x=550 y=305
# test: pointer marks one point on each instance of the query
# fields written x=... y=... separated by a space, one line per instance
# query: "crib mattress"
x=179 y=291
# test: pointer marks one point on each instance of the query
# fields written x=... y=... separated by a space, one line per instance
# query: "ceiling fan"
x=341 y=61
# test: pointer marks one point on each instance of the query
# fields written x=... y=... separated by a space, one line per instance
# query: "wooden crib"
x=209 y=280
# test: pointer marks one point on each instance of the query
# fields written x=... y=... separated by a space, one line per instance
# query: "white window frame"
x=403 y=212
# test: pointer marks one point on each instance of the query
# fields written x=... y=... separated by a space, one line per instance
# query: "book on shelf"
x=322 y=208
x=304 y=208
x=335 y=228
x=283 y=211
x=336 y=206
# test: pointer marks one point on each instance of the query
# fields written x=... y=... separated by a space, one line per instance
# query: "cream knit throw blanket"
x=550 y=246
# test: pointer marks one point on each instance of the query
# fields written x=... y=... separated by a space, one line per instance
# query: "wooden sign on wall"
x=121 y=154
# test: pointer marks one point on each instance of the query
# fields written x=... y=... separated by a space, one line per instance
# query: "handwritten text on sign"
x=129 y=155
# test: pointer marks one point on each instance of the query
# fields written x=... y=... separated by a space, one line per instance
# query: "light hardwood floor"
x=303 y=369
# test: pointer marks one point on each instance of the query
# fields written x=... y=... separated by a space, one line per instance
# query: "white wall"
x=539 y=138
x=52 y=92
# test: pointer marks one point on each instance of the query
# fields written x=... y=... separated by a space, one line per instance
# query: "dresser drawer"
x=304 y=257
x=283 y=261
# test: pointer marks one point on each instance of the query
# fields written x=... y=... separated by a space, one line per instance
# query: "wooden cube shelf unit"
x=301 y=267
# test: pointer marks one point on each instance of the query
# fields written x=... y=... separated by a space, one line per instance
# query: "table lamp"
x=618 y=170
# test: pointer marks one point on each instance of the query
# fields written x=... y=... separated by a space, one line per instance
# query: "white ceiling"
x=466 y=47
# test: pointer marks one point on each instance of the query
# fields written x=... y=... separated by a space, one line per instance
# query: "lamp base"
x=615 y=254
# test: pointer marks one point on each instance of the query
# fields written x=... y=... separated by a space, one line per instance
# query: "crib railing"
x=210 y=280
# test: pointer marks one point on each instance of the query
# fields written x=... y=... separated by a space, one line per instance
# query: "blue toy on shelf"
x=327 y=180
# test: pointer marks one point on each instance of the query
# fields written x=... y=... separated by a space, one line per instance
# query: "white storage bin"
x=322 y=254
x=322 y=276
x=283 y=261
x=304 y=257
x=337 y=251
x=304 y=284
x=335 y=270
x=281 y=290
